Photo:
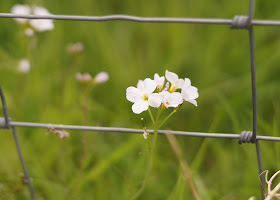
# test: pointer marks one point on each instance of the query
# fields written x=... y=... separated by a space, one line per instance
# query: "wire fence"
x=238 y=22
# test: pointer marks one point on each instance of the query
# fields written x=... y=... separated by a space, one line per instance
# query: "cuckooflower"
x=174 y=80
x=143 y=96
x=173 y=99
x=189 y=92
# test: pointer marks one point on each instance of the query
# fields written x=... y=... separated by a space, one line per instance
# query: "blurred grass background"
x=214 y=57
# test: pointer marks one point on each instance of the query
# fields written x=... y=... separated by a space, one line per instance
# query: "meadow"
x=104 y=165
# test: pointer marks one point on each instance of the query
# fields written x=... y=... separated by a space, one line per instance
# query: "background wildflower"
x=21 y=10
x=101 y=77
x=86 y=77
x=36 y=24
x=41 y=24
x=24 y=66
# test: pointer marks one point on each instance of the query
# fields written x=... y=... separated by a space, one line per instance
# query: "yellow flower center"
x=173 y=88
x=145 y=97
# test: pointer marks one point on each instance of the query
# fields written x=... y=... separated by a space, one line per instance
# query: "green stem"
x=151 y=115
x=172 y=113
x=150 y=164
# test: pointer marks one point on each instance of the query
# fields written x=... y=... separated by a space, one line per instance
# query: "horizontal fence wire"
x=140 y=19
x=132 y=130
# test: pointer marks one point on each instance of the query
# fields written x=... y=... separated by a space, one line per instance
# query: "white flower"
x=41 y=24
x=174 y=80
x=143 y=96
x=159 y=80
x=21 y=10
x=101 y=77
x=24 y=66
x=173 y=99
x=189 y=92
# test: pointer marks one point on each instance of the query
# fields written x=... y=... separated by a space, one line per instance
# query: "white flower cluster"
x=31 y=25
x=167 y=95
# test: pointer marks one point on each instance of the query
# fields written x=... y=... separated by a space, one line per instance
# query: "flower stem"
x=172 y=113
x=151 y=115
x=151 y=158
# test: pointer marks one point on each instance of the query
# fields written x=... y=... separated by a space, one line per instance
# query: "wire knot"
x=3 y=123
x=245 y=137
x=241 y=22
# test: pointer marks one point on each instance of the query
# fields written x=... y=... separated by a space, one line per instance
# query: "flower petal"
x=171 y=77
x=187 y=82
x=189 y=92
x=155 y=100
x=175 y=99
x=133 y=94
x=140 y=85
x=180 y=82
x=150 y=85
x=159 y=80
x=140 y=106
x=192 y=101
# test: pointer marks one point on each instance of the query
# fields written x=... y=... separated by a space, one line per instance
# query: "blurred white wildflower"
x=101 y=77
x=41 y=24
x=24 y=66
x=75 y=48
x=21 y=10
x=35 y=24
x=86 y=77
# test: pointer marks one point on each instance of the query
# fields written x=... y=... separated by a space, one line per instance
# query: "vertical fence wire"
x=23 y=165
x=254 y=90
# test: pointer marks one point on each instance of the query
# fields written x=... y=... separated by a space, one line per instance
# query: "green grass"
x=214 y=57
